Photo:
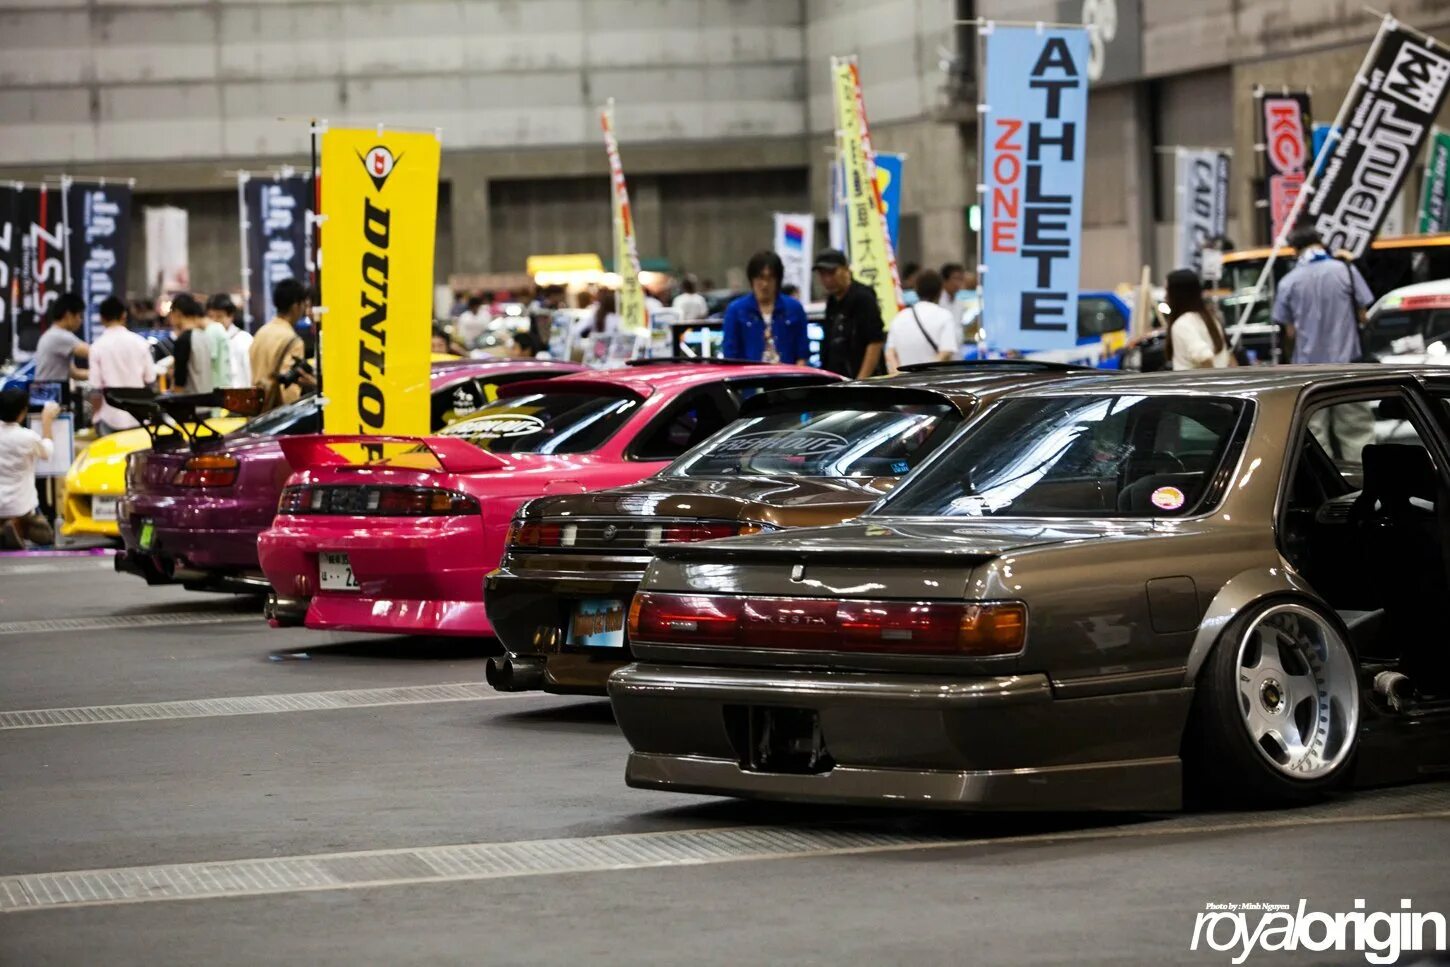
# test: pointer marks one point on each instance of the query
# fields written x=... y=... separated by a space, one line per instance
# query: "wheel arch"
x=1241 y=592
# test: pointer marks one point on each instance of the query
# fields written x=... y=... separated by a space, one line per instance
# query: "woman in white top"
x=1196 y=340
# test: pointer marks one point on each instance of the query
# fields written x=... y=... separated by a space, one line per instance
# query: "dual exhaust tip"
x=515 y=674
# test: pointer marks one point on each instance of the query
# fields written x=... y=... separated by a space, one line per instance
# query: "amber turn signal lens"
x=993 y=629
x=634 y=607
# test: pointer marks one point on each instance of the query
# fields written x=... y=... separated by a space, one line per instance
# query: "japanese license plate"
x=104 y=508
x=147 y=536
x=334 y=572
x=598 y=623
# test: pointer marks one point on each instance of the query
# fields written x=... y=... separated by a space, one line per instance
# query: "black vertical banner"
x=1388 y=117
x=1284 y=128
x=99 y=217
x=276 y=219
x=42 y=261
x=9 y=267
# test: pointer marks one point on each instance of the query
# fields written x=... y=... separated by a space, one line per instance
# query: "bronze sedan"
x=1103 y=590
x=797 y=457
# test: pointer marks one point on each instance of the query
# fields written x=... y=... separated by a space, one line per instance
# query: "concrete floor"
x=524 y=769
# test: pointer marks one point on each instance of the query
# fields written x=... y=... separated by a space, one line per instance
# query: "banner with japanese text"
x=98 y=219
x=274 y=219
x=1202 y=187
x=793 y=238
x=380 y=200
x=873 y=262
x=1388 y=117
x=631 y=305
x=1035 y=111
x=1284 y=141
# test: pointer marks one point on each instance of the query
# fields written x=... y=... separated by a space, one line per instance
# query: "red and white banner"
x=1284 y=141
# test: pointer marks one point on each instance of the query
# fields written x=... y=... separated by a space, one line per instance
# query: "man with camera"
x=279 y=366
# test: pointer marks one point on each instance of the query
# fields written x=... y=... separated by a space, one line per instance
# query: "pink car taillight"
x=375 y=501
x=973 y=630
x=208 y=470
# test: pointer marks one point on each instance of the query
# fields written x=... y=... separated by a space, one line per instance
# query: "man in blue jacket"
x=765 y=325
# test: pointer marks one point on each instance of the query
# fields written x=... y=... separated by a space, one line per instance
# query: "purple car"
x=195 y=504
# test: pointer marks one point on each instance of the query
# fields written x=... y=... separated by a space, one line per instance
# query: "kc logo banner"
x=380 y=201
x=1284 y=134
x=1388 y=118
x=1036 y=113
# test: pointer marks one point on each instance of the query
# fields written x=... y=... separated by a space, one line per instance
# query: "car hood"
x=901 y=540
x=783 y=501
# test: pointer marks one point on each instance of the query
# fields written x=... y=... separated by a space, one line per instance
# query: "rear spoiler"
x=171 y=421
x=306 y=451
x=846 y=396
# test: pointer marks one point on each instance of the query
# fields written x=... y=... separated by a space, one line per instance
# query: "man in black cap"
x=854 y=335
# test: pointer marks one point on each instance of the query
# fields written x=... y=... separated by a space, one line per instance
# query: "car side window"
x=1096 y=316
x=692 y=419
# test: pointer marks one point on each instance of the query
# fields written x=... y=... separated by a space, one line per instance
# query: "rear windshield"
x=303 y=416
x=1080 y=456
x=545 y=423
x=820 y=443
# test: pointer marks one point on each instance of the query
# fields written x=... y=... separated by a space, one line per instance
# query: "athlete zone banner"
x=1284 y=137
x=98 y=219
x=380 y=199
x=1036 y=112
x=1388 y=118
x=41 y=275
x=1202 y=204
x=275 y=216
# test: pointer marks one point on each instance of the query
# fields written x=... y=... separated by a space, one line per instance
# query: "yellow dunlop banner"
x=626 y=257
x=380 y=202
x=872 y=261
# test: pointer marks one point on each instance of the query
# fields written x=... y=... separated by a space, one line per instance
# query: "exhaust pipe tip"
x=510 y=674
x=1396 y=689
x=284 y=612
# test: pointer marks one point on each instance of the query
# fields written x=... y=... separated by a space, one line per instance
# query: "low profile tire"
x=1275 y=718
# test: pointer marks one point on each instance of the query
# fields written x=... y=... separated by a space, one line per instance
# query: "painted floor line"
x=75 y=566
x=118 y=622
x=41 y=718
x=484 y=861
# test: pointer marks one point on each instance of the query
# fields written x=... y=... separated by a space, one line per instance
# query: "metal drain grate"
x=250 y=705
x=116 y=622
x=187 y=881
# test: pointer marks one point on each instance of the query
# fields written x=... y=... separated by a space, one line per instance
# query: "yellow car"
x=95 y=483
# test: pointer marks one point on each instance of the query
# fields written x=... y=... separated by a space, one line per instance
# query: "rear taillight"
x=538 y=533
x=689 y=533
x=981 y=630
x=210 y=470
x=375 y=501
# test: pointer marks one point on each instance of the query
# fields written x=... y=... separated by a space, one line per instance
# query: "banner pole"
x=314 y=238
x=983 y=109
x=245 y=223
x=65 y=184
x=1310 y=183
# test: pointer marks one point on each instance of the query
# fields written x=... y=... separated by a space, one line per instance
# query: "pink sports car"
x=402 y=545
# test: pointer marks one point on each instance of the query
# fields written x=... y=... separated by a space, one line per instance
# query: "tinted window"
x=545 y=423
x=1096 y=316
x=1079 y=456
x=691 y=420
x=1401 y=332
x=809 y=443
x=304 y=416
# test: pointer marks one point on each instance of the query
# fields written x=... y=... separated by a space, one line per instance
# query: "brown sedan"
x=798 y=457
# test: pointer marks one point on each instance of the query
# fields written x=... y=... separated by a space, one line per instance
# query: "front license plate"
x=104 y=508
x=147 y=537
x=334 y=572
x=598 y=623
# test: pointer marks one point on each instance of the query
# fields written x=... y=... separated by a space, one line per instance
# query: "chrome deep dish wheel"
x=1298 y=691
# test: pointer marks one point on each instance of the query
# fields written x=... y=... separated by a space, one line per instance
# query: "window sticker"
x=498 y=425
x=1168 y=498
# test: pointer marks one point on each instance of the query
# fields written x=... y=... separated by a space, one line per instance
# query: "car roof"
x=1395 y=296
x=645 y=381
x=1245 y=381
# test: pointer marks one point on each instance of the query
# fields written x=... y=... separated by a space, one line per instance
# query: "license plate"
x=104 y=508
x=598 y=623
x=147 y=537
x=334 y=572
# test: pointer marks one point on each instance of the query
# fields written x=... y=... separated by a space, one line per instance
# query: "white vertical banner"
x=168 y=268
x=836 y=219
x=1202 y=186
x=793 y=243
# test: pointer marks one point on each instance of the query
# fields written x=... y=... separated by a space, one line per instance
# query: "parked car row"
x=997 y=584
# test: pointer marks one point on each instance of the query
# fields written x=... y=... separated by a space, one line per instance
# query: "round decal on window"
x=1168 y=498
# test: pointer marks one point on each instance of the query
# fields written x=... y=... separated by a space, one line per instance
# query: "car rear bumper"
x=530 y=615
x=922 y=741
x=76 y=519
x=350 y=612
x=222 y=550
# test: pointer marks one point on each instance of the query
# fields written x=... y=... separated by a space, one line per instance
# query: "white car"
x=1411 y=324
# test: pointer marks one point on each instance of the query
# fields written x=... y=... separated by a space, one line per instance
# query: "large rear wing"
x=306 y=451
x=172 y=420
